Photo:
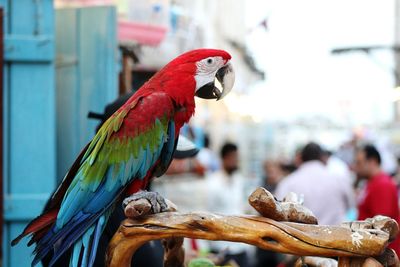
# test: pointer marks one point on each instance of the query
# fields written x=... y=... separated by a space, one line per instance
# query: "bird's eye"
x=210 y=61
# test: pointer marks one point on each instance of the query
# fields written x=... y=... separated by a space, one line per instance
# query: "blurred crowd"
x=348 y=184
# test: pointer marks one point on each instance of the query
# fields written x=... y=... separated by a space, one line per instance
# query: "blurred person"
x=226 y=196
x=346 y=150
x=388 y=158
x=273 y=173
x=297 y=158
x=335 y=164
x=379 y=196
x=320 y=188
x=288 y=168
x=341 y=171
x=207 y=157
x=361 y=136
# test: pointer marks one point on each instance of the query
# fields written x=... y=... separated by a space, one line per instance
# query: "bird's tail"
x=83 y=232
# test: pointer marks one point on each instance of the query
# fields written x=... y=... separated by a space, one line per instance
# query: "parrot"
x=134 y=145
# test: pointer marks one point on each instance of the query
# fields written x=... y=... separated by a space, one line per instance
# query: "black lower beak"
x=210 y=91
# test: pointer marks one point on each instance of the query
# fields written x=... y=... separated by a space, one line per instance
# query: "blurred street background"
x=322 y=73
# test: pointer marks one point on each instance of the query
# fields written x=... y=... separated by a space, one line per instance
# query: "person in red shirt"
x=379 y=196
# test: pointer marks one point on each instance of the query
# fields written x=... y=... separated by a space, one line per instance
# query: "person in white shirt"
x=328 y=196
x=226 y=196
x=336 y=165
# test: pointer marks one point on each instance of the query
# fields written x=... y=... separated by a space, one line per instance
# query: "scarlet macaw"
x=135 y=144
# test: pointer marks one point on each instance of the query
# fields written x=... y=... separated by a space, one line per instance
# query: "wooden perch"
x=363 y=239
x=284 y=237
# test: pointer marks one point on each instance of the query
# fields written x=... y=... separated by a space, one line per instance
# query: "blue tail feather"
x=74 y=260
x=86 y=248
x=101 y=224
x=58 y=240
x=70 y=239
x=86 y=242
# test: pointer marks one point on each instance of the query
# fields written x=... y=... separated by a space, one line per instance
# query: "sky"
x=303 y=78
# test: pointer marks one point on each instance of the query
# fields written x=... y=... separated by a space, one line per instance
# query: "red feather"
x=38 y=235
x=137 y=184
x=37 y=224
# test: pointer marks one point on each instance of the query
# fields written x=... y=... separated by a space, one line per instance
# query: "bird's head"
x=214 y=74
x=209 y=72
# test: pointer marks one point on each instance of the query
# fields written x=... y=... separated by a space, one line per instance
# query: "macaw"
x=135 y=144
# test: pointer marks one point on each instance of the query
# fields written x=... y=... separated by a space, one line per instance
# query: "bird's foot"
x=143 y=203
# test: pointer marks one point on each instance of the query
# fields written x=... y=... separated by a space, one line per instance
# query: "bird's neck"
x=183 y=114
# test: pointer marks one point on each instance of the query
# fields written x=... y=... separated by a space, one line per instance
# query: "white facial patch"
x=206 y=70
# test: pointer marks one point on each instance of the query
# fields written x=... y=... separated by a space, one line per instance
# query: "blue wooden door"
x=86 y=75
x=51 y=81
x=29 y=118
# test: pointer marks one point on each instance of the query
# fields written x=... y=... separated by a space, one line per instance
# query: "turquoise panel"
x=87 y=75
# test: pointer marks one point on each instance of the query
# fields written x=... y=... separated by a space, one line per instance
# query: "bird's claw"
x=157 y=202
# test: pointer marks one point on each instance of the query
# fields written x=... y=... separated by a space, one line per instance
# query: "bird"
x=134 y=145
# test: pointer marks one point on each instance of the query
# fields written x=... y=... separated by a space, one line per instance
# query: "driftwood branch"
x=284 y=237
x=361 y=239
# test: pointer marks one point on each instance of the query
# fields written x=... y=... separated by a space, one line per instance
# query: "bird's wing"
x=126 y=147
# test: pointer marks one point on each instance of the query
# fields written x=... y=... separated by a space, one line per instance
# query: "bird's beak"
x=221 y=86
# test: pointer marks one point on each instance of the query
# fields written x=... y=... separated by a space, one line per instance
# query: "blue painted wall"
x=59 y=64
